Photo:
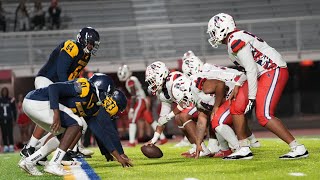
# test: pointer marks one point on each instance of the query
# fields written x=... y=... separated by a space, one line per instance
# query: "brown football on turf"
x=151 y=151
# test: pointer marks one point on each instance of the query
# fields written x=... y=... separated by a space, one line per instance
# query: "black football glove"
x=250 y=106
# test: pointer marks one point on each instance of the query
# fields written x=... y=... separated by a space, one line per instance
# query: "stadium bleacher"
x=121 y=43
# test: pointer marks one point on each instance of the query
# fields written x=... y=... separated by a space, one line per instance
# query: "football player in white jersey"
x=267 y=75
x=138 y=104
x=160 y=82
x=193 y=67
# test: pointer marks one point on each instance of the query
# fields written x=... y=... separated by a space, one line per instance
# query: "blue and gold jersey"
x=65 y=63
x=79 y=95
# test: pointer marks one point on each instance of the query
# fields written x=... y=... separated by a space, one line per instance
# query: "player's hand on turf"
x=124 y=156
x=125 y=162
x=109 y=157
x=198 y=150
x=56 y=125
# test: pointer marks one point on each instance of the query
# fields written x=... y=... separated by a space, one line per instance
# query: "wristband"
x=179 y=107
x=171 y=115
x=155 y=138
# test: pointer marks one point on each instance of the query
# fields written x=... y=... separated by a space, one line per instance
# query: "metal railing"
x=295 y=37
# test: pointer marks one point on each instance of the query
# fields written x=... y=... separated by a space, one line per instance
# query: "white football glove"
x=131 y=113
x=250 y=106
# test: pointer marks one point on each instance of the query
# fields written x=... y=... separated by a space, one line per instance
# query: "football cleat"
x=56 y=169
x=131 y=144
x=43 y=161
x=29 y=167
x=84 y=151
x=296 y=152
x=222 y=153
x=26 y=152
x=163 y=141
x=255 y=144
x=182 y=143
x=71 y=163
x=242 y=153
x=5 y=149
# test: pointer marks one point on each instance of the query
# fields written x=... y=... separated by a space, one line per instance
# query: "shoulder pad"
x=82 y=86
x=71 y=48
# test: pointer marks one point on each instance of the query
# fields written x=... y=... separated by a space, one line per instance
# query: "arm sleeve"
x=165 y=108
x=250 y=67
x=64 y=63
x=104 y=131
x=58 y=90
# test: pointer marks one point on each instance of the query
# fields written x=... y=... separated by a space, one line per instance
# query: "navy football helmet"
x=104 y=85
x=120 y=99
x=89 y=35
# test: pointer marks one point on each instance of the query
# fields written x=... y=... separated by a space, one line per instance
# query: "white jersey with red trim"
x=265 y=57
x=134 y=82
x=165 y=96
x=230 y=76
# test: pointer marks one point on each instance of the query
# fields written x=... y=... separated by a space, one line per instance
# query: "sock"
x=244 y=143
x=204 y=147
x=50 y=146
x=228 y=134
x=252 y=138
x=75 y=148
x=294 y=143
x=32 y=142
x=223 y=143
x=57 y=156
x=42 y=141
x=213 y=145
x=132 y=132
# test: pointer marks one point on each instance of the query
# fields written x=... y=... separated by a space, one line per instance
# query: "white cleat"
x=29 y=167
x=183 y=143
x=86 y=152
x=296 y=152
x=71 y=163
x=255 y=144
x=242 y=153
x=56 y=169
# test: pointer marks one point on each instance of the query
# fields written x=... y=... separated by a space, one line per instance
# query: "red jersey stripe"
x=236 y=45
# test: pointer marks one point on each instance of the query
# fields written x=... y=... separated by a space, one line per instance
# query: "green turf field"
x=264 y=165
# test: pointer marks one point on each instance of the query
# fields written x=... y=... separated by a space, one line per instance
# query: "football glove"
x=250 y=106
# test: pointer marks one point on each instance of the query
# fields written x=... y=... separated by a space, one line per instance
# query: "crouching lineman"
x=160 y=83
x=138 y=105
x=52 y=109
x=197 y=70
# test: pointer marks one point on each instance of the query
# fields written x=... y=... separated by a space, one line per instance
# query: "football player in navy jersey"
x=65 y=63
x=62 y=108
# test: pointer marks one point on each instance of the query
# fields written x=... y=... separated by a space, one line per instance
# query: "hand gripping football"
x=151 y=151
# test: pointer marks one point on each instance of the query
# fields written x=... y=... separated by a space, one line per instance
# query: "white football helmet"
x=181 y=91
x=187 y=54
x=124 y=73
x=156 y=73
x=191 y=65
x=219 y=27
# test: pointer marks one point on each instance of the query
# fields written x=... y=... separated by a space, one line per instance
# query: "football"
x=151 y=151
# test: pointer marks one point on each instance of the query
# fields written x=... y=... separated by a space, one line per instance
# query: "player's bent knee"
x=262 y=120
